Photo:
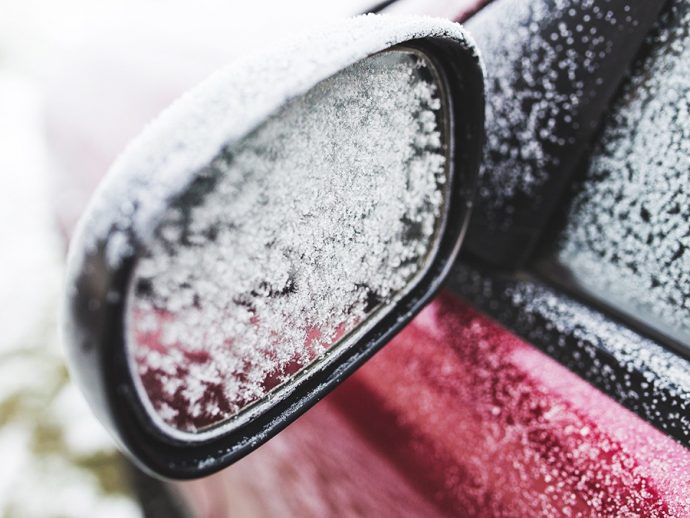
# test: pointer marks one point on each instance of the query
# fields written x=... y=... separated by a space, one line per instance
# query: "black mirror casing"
x=94 y=313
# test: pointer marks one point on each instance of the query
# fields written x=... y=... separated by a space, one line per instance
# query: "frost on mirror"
x=289 y=244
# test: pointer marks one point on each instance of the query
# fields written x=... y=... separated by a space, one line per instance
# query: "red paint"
x=460 y=417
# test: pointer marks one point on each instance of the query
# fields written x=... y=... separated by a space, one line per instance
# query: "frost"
x=221 y=110
x=633 y=369
x=482 y=424
x=664 y=372
x=628 y=237
x=538 y=85
x=289 y=240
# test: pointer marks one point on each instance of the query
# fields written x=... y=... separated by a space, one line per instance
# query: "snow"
x=317 y=219
x=188 y=135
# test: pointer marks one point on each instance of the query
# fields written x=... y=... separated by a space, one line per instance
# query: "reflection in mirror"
x=290 y=243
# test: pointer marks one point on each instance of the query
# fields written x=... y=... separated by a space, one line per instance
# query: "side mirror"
x=268 y=233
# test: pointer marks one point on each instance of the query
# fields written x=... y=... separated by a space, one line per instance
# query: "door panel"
x=477 y=423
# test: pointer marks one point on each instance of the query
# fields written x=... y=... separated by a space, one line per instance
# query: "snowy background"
x=77 y=80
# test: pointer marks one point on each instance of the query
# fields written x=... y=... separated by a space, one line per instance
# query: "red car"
x=549 y=376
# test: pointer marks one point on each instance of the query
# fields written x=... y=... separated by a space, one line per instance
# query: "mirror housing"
x=163 y=163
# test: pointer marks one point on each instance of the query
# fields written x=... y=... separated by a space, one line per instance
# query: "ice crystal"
x=289 y=239
x=187 y=135
x=546 y=63
x=631 y=368
x=628 y=238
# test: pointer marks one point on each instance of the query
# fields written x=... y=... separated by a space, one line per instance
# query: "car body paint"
x=458 y=417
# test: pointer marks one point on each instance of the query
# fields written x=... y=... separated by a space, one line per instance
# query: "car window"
x=627 y=238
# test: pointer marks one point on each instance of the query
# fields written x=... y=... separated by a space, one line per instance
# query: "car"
x=549 y=376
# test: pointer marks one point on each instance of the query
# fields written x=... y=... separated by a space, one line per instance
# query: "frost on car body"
x=633 y=369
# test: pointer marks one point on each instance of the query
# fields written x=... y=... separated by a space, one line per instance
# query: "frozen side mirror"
x=270 y=231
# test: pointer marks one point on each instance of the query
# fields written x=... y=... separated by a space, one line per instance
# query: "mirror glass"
x=290 y=244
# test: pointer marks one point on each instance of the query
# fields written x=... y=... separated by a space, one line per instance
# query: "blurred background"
x=78 y=79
